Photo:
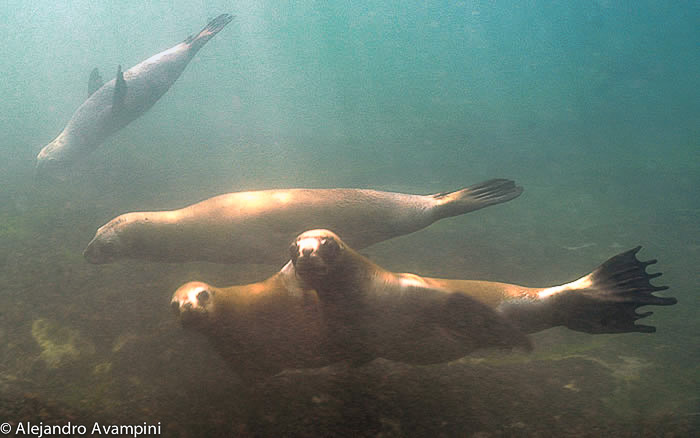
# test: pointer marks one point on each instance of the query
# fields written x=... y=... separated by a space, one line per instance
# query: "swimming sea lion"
x=259 y=329
x=408 y=318
x=250 y=227
x=112 y=106
x=330 y=304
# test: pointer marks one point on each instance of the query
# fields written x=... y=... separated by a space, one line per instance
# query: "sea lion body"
x=374 y=313
x=122 y=100
x=251 y=227
x=263 y=328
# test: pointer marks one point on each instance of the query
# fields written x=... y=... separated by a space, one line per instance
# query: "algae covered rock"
x=60 y=345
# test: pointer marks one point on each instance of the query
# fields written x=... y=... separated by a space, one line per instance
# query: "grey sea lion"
x=250 y=227
x=111 y=106
x=329 y=304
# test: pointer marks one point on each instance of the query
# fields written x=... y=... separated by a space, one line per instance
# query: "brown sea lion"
x=250 y=227
x=330 y=304
x=111 y=106
x=376 y=313
x=260 y=328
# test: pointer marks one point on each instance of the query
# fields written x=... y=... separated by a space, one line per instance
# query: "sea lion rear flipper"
x=212 y=28
x=95 y=81
x=119 y=91
x=483 y=194
x=615 y=290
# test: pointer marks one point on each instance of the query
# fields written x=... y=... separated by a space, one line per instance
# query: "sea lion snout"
x=91 y=254
x=99 y=251
x=110 y=242
x=314 y=240
x=50 y=169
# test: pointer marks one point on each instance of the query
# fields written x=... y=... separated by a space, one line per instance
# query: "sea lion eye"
x=202 y=297
x=329 y=246
x=294 y=251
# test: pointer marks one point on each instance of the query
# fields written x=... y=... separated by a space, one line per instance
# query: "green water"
x=592 y=106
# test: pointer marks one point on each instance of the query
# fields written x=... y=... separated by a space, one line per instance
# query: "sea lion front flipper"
x=119 y=91
x=95 y=82
x=480 y=325
x=614 y=292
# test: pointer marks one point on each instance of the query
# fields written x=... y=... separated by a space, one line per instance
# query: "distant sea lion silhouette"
x=330 y=304
x=250 y=227
x=112 y=106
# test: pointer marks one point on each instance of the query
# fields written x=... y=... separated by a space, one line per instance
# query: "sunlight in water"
x=581 y=283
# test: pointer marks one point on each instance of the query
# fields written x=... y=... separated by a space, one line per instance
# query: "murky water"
x=592 y=107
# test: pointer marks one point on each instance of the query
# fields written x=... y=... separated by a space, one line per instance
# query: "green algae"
x=60 y=345
x=102 y=368
x=552 y=352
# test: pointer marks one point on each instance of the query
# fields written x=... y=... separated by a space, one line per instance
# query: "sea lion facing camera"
x=112 y=106
x=415 y=319
x=251 y=227
x=330 y=304
x=259 y=329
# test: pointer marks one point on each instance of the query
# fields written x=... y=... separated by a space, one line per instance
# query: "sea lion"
x=112 y=106
x=260 y=329
x=329 y=304
x=413 y=319
x=250 y=227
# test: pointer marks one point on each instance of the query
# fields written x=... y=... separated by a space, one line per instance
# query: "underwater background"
x=592 y=106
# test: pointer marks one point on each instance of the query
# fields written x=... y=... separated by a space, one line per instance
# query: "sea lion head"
x=50 y=168
x=193 y=303
x=315 y=254
x=107 y=246
x=54 y=161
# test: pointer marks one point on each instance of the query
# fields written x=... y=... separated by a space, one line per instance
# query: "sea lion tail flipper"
x=95 y=81
x=212 y=28
x=610 y=295
x=119 y=91
x=483 y=194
